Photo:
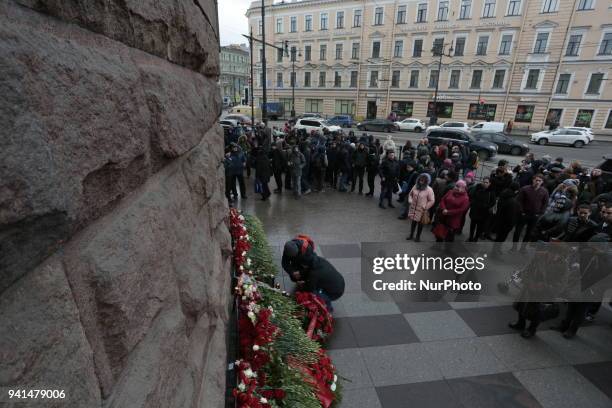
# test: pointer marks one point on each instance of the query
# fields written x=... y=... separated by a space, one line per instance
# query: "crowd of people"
x=538 y=200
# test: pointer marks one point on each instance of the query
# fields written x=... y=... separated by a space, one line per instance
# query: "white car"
x=415 y=125
x=589 y=131
x=454 y=125
x=576 y=138
x=320 y=125
x=228 y=123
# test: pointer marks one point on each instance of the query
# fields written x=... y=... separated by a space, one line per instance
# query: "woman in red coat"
x=452 y=207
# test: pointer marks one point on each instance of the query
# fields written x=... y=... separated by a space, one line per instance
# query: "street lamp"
x=293 y=77
x=440 y=49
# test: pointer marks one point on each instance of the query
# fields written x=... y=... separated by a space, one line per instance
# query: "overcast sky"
x=232 y=21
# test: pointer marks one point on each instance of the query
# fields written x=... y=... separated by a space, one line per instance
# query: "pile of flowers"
x=277 y=367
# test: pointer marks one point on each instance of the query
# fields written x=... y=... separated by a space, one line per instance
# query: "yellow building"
x=528 y=61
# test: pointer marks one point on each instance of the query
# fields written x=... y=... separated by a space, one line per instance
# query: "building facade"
x=534 y=62
x=235 y=73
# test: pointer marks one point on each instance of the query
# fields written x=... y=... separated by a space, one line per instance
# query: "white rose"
x=251 y=315
x=335 y=378
x=241 y=268
x=248 y=372
x=263 y=400
x=248 y=261
x=255 y=347
x=243 y=253
x=333 y=387
x=242 y=387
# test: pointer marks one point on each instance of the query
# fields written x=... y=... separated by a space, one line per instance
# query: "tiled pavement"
x=440 y=355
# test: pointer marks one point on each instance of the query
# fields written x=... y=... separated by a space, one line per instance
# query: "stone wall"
x=114 y=250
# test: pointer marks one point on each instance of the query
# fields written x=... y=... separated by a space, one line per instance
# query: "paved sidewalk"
x=439 y=355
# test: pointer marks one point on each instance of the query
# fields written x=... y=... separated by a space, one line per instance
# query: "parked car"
x=242 y=119
x=496 y=127
x=412 y=124
x=486 y=150
x=377 y=125
x=245 y=110
x=576 y=138
x=589 y=131
x=320 y=125
x=453 y=125
x=228 y=123
x=341 y=120
x=505 y=144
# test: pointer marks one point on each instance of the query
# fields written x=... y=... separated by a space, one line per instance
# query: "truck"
x=274 y=110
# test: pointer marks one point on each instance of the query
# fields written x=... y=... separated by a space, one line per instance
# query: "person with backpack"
x=310 y=272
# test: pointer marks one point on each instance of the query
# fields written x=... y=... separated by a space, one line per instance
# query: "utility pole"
x=294 y=51
x=264 y=109
x=434 y=114
x=251 y=89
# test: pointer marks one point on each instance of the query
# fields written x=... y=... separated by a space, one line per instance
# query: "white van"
x=492 y=127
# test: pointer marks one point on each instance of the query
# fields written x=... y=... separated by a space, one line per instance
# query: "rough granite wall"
x=114 y=251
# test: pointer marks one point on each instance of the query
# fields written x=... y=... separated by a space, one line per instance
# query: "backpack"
x=306 y=242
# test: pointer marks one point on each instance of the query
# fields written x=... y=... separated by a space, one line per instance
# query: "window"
x=307 y=53
x=606 y=45
x=422 y=13
x=308 y=23
x=293 y=27
x=489 y=9
x=573 y=45
x=355 y=51
x=321 y=79
x=376 y=49
x=433 y=78
x=395 y=79
x=340 y=19
x=476 y=79
x=506 y=44
x=338 y=51
x=374 y=79
x=307 y=79
x=540 y=44
x=524 y=113
x=292 y=80
x=398 y=50
x=279 y=79
x=609 y=121
x=324 y=21
x=454 y=79
x=483 y=42
x=323 y=52
x=466 y=9
x=279 y=25
x=438 y=46
x=279 y=55
x=595 y=84
x=313 y=105
x=345 y=107
x=337 y=80
x=554 y=116
x=498 y=79
x=414 y=79
x=550 y=6
x=378 y=16
x=532 y=79
x=443 y=10
x=357 y=18
x=483 y=111
x=418 y=48
x=443 y=109
x=402 y=109
x=459 y=46
x=293 y=54
x=563 y=83
x=401 y=14
x=514 y=7
x=260 y=27
x=585 y=5
x=353 y=79
x=584 y=117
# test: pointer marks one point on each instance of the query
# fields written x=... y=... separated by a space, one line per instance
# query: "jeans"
x=385 y=192
x=278 y=178
x=371 y=177
x=524 y=220
x=358 y=173
x=344 y=181
x=321 y=293
x=296 y=182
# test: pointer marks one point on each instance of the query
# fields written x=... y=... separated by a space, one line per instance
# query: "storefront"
x=524 y=113
x=444 y=109
x=584 y=117
x=479 y=111
x=553 y=117
x=402 y=109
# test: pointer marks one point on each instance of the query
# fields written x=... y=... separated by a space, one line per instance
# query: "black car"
x=380 y=125
x=486 y=150
x=504 y=144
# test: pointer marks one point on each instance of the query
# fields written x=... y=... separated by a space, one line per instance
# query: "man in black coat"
x=372 y=168
x=389 y=174
x=279 y=163
x=360 y=161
